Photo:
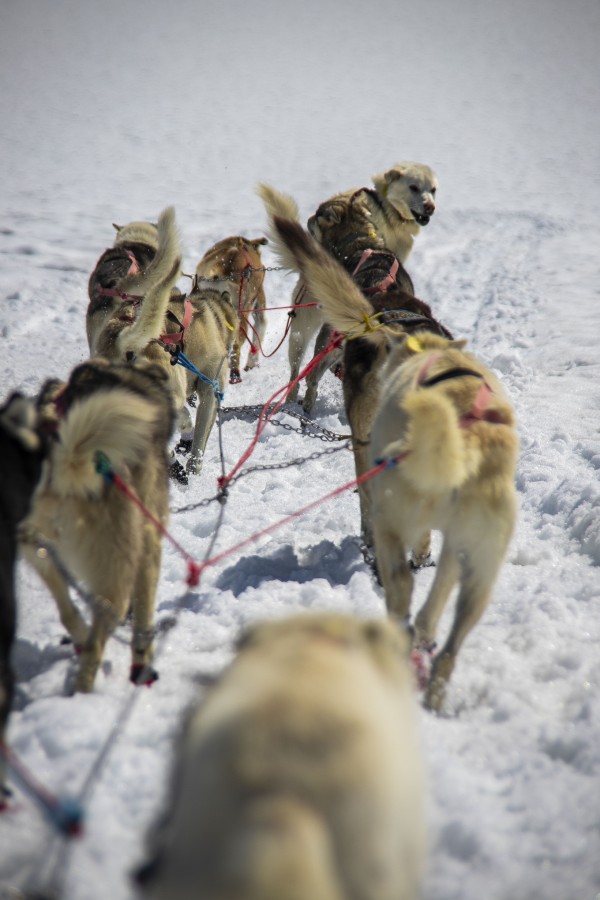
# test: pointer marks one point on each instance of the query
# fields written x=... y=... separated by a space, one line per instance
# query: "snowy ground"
x=110 y=111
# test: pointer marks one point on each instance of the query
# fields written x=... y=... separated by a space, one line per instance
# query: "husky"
x=386 y=218
x=206 y=329
x=134 y=328
x=121 y=415
x=445 y=427
x=346 y=308
x=22 y=449
x=126 y=272
x=236 y=262
x=300 y=774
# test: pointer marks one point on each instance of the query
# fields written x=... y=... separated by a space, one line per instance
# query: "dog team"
x=299 y=774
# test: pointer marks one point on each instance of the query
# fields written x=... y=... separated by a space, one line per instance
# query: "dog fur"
x=236 y=262
x=347 y=309
x=447 y=418
x=127 y=270
x=133 y=329
x=99 y=534
x=386 y=218
x=22 y=451
x=207 y=342
x=299 y=775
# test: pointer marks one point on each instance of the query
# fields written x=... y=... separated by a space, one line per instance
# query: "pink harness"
x=389 y=279
x=177 y=337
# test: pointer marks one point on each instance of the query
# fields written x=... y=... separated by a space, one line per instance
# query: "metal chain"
x=323 y=434
x=266 y=467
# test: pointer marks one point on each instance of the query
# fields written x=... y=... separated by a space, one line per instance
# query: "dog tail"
x=280 y=206
x=437 y=459
x=343 y=303
x=168 y=252
x=282 y=850
x=150 y=323
x=116 y=422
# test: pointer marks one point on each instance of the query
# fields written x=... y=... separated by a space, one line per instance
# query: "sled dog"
x=348 y=310
x=135 y=327
x=22 y=451
x=101 y=536
x=299 y=775
x=125 y=272
x=207 y=325
x=445 y=426
x=236 y=262
x=385 y=218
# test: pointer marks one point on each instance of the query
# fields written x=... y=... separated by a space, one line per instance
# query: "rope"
x=273 y=405
x=64 y=814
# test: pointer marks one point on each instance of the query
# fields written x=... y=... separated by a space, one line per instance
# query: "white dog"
x=300 y=775
x=388 y=216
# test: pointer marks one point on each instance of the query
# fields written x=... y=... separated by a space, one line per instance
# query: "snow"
x=111 y=111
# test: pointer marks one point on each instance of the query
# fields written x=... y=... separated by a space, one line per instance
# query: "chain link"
x=265 y=467
x=322 y=434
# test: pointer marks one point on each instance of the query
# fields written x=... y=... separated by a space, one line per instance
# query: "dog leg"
x=206 y=413
x=429 y=615
x=103 y=624
x=71 y=618
x=234 y=362
x=314 y=376
x=258 y=334
x=473 y=598
x=305 y=322
x=393 y=568
x=142 y=642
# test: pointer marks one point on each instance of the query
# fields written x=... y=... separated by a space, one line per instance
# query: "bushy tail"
x=344 y=305
x=438 y=459
x=167 y=253
x=282 y=851
x=116 y=422
x=150 y=323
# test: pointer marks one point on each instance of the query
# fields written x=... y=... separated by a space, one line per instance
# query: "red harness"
x=133 y=269
x=178 y=336
x=386 y=282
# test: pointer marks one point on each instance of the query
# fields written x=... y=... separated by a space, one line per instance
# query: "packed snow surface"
x=111 y=111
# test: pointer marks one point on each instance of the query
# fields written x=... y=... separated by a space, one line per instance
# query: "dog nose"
x=429 y=206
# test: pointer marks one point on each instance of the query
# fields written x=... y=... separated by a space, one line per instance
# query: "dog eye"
x=433 y=190
x=414 y=188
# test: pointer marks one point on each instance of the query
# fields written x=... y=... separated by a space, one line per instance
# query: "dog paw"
x=234 y=376
x=178 y=473
x=140 y=674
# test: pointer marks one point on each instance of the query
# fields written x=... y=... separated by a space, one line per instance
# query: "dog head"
x=19 y=419
x=385 y=642
x=137 y=233
x=410 y=188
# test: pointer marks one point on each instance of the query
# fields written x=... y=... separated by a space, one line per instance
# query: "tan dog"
x=300 y=776
x=207 y=340
x=100 y=535
x=125 y=272
x=346 y=308
x=386 y=218
x=447 y=430
x=133 y=330
x=237 y=262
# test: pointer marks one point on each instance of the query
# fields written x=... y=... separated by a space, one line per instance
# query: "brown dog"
x=101 y=536
x=236 y=261
x=385 y=219
x=338 y=294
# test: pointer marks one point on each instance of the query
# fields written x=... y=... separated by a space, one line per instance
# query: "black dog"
x=22 y=453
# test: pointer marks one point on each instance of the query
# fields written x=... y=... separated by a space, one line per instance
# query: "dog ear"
x=258 y=242
x=117 y=227
x=459 y=345
x=393 y=175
